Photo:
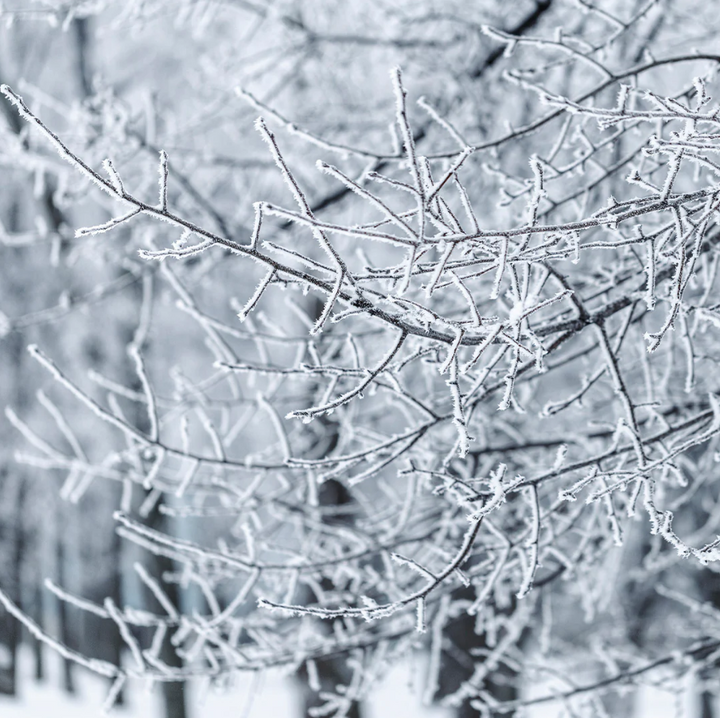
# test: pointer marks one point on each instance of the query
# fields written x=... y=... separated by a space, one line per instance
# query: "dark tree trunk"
x=457 y=664
x=12 y=536
x=115 y=645
x=707 y=705
x=331 y=674
x=12 y=485
x=65 y=630
x=38 y=648
x=708 y=582
x=174 y=694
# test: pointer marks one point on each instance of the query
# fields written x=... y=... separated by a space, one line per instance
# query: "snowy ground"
x=270 y=696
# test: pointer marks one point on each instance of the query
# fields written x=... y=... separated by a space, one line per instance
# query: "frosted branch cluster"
x=494 y=392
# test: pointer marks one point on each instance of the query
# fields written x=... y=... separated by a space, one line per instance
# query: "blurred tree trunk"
x=708 y=583
x=707 y=705
x=12 y=538
x=331 y=672
x=37 y=645
x=57 y=222
x=174 y=694
x=115 y=645
x=457 y=662
x=13 y=489
x=18 y=399
x=66 y=635
x=112 y=649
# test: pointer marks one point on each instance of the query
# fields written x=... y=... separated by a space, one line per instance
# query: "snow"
x=272 y=695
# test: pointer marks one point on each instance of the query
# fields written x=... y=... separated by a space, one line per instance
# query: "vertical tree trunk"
x=457 y=665
x=115 y=644
x=65 y=631
x=11 y=535
x=174 y=693
x=707 y=705
x=37 y=645
x=708 y=582
x=331 y=672
x=13 y=488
